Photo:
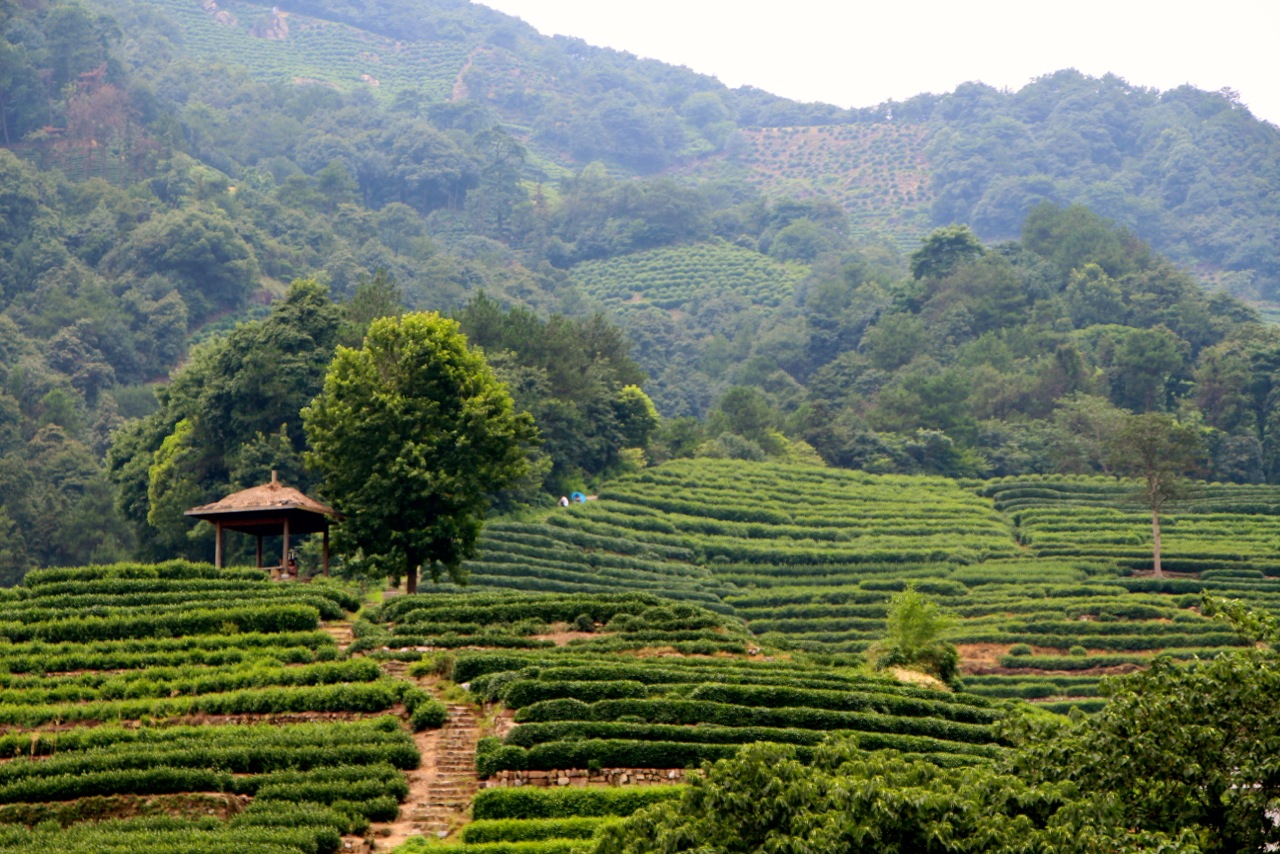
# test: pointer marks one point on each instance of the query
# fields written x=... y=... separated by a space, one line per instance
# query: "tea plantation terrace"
x=1046 y=577
x=179 y=707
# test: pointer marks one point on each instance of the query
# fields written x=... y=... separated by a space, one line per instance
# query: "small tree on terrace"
x=411 y=433
x=1159 y=451
x=913 y=637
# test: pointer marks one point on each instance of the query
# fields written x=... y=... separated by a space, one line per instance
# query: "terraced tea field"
x=591 y=697
x=691 y=609
x=1047 y=579
x=879 y=173
x=1213 y=527
x=292 y=46
x=181 y=708
x=670 y=277
x=596 y=691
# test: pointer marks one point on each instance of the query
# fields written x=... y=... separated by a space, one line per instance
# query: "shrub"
x=525 y=803
x=428 y=716
x=510 y=830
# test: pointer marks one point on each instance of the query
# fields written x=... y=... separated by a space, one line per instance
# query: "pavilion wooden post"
x=258 y=537
x=217 y=544
x=324 y=554
x=284 y=555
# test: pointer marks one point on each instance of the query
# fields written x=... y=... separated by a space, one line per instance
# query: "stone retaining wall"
x=580 y=777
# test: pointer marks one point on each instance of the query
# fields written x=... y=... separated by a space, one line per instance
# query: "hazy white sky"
x=859 y=54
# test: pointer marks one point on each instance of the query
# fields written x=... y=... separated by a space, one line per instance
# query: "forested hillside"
x=612 y=231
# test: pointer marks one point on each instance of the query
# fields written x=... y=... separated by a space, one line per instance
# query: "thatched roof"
x=273 y=496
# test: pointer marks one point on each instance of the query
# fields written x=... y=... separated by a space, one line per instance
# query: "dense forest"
x=201 y=202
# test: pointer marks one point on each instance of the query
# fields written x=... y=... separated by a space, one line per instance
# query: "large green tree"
x=945 y=249
x=1180 y=747
x=848 y=801
x=411 y=433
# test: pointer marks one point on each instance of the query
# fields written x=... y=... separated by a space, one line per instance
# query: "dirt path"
x=460 y=92
x=440 y=790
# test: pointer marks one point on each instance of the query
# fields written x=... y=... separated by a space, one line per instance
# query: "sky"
x=855 y=54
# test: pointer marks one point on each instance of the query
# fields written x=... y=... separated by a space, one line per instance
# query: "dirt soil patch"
x=563 y=637
x=976 y=655
x=920 y=680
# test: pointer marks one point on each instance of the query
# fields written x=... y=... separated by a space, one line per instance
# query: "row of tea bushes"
x=508 y=619
x=164 y=835
x=703 y=530
x=549 y=558
x=542 y=821
x=1212 y=527
x=102 y=667
x=130 y=652
x=810 y=558
x=136 y=653
x=670 y=276
x=598 y=711
x=328 y=52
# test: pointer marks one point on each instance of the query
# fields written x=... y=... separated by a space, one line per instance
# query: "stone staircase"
x=447 y=780
x=340 y=631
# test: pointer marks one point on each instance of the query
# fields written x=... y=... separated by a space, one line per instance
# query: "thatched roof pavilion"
x=272 y=509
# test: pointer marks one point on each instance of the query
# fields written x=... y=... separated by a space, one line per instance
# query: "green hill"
x=976 y=155
x=878 y=172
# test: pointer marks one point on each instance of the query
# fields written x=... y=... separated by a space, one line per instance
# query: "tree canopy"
x=410 y=434
x=226 y=420
x=1159 y=452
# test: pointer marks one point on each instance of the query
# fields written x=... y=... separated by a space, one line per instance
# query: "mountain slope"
x=1190 y=171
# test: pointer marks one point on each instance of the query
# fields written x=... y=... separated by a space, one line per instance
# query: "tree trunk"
x=1155 y=543
x=410 y=576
